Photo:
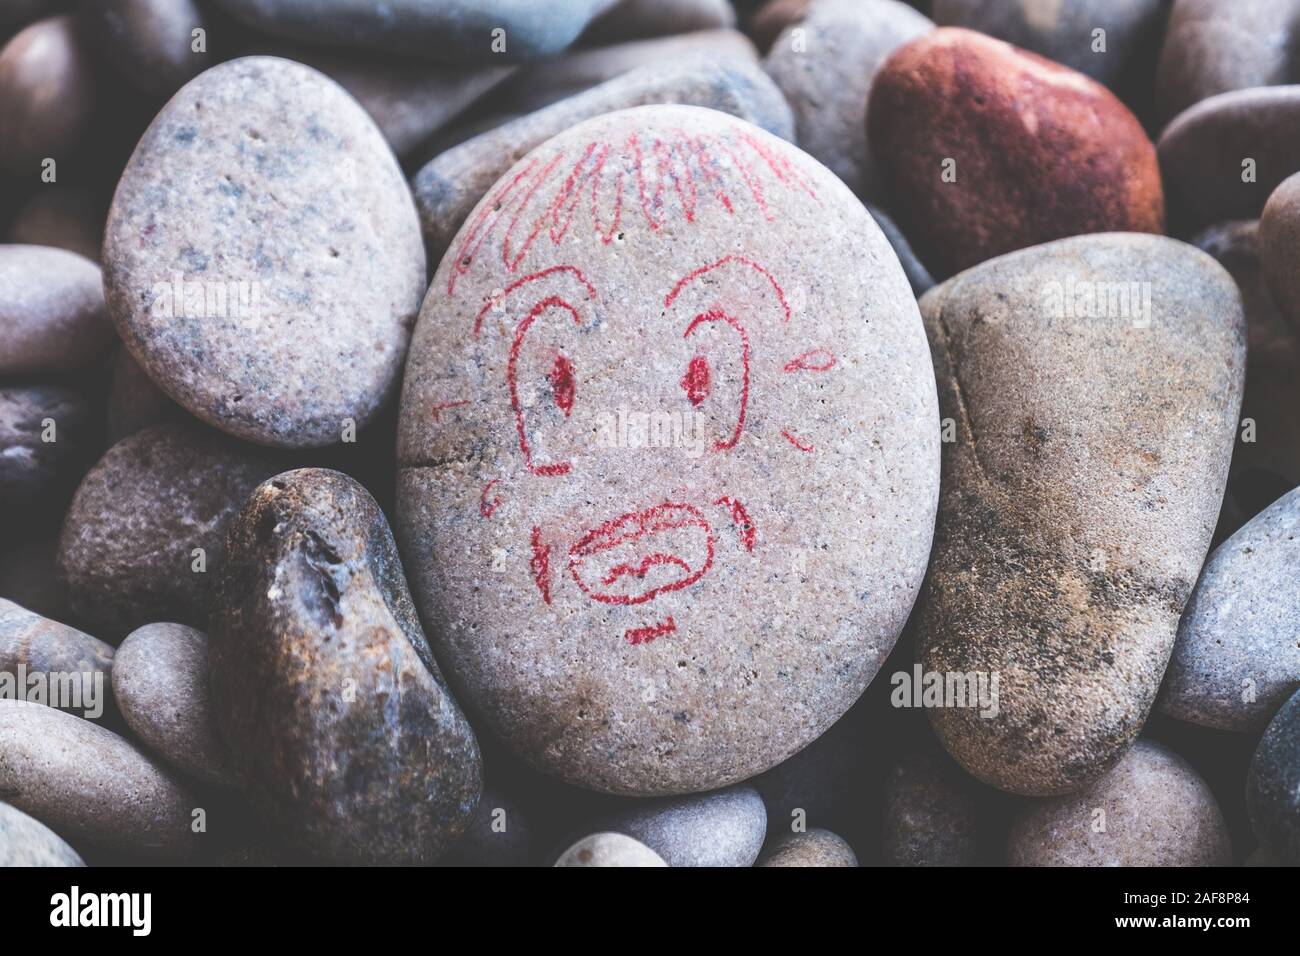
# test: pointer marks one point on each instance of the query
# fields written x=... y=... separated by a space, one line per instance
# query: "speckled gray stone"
x=1203 y=149
x=160 y=683
x=1063 y=31
x=87 y=783
x=1272 y=362
x=28 y=842
x=540 y=84
x=341 y=729
x=1273 y=785
x=816 y=847
x=1150 y=809
x=41 y=646
x=498 y=835
x=930 y=813
x=52 y=315
x=1238 y=653
x=720 y=828
x=451 y=184
x=297 y=293
x=126 y=551
x=740 y=628
x=609 y=849
x=149 y=42
x=68 y=218
x=1216 y=46
x=47 y=97
x=825 y=71
x=36 y=474
x=1279 y=246
x=1080 y=494
x=450 y=30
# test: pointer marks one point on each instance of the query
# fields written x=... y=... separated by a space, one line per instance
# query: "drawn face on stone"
x=642 y=429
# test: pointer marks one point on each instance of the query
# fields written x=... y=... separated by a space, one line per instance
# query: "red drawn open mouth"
x=642 y=554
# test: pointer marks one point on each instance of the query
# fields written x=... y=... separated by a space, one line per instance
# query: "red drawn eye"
x=561 y=379
x=696 y=381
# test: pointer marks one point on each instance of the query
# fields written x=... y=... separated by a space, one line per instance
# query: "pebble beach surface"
x=615 y=433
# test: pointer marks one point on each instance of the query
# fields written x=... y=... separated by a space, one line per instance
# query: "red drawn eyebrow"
x=533 y=277
x=704 y=270
x=815 y=360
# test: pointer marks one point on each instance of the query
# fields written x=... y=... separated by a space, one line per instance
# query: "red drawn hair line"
x=686 y=280
x=550 y=302
x=531 y=277
x=798 y=442
x=486 y=507
x=741 y=518
x=540 y=565
x=681 y=161
x=817 y=360
x=717 y=315
x=644 y=635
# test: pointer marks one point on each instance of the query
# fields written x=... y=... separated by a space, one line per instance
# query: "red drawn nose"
x=642 y=554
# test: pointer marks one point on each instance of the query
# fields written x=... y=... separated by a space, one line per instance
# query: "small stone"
x=52 y=314
x=653 y=616
x=636 y=19
x=88 y=784
x=1279 y=246
x=149 y=42
x=462 y=31
x=449 y=187
x=1273 y=785
x=127 y=555
x=1150 y=809
x=67 y=218
x=28 y=842
x=609 y=849
x=498 y=835
x=540 y=84
x=719 y=828
x=1238 y=653
x=45 y=441
x=47 y=93
x=134 y=401
x=1065 y=32
x=160 y=683
x=76 y=669
x=985 y=148
x=826 y=70
x=1224 y=156
x=931 y=818
x=241 y=270
x=1093 y=385
x=814 y=848
x=1214 y=47
x=342 y=731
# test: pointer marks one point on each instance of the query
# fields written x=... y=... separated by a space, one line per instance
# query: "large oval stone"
x=1093 y=386
x=668 y=452
x=262 y=258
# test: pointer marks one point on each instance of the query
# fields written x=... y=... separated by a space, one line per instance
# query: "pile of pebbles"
x=627 y=433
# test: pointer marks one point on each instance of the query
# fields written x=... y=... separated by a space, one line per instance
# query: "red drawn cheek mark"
x=512 y=380
x=741 y=518
x=717 y=315
x=817 y=360
x=562 y=387
x=798 y=442
x=485 y=505
x=533 y=277
x=696 y=380
x=644 y=635
x=540 y=565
